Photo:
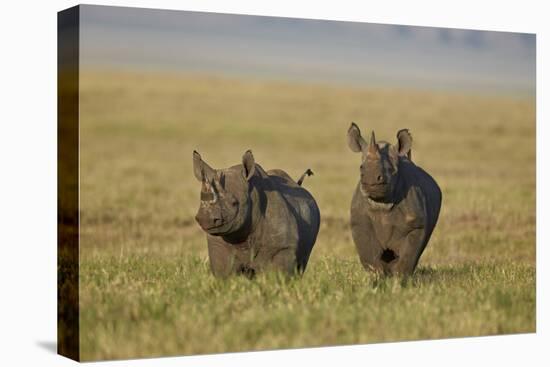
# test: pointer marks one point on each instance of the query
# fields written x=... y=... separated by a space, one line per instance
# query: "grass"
x=145 y=287
x=175 y=306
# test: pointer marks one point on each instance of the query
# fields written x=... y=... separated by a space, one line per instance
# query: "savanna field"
x=145 y=284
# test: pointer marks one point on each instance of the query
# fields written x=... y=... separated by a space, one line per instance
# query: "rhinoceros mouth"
x=213 y=227
x=217 y=230
x=222 y=228
x=376 y=191
x=376 y=187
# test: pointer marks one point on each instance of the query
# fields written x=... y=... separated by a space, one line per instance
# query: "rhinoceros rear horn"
x=200 y=168
x=355 y=141
x=404 y=143
x=249 y=165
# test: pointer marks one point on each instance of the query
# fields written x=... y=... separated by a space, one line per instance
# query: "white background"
x=28 y=182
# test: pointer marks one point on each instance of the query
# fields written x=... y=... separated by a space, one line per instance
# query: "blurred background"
x=308 y=50
x=157 y=84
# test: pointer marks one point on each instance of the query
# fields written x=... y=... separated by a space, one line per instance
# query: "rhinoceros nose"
x=208 y=220
x=202 y=219
x=199 y=219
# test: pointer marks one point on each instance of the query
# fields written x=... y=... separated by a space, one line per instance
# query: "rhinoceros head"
x=380 y=162
x=224 y=201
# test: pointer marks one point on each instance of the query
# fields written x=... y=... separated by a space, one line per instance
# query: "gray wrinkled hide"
x=256 y=220
x=395 y=206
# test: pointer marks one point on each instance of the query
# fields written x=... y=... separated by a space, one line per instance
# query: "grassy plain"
x=145 y=286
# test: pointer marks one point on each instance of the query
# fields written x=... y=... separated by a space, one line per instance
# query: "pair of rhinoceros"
x=259 y=220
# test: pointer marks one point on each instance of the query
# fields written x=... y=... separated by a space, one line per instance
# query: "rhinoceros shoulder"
x=413 y=208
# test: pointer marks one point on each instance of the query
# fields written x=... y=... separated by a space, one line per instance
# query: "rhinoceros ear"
x=249 y=165
x=355 y=141
x=200 y=167
x=404 y=143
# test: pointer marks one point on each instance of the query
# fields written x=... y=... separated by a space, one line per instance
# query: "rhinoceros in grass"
x=395 y=206
x=255 y=220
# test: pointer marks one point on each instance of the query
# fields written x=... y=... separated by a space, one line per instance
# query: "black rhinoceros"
x=395 y=206
x=255 y=220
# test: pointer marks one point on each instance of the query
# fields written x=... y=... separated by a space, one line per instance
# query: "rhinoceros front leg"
x=367 y=245
x=285 y=260
x=408 y=252
x=223 y=260
x=281 y=259
x=411 y=234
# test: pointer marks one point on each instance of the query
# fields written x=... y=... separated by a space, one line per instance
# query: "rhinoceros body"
x=392 y=229
x=278 y=222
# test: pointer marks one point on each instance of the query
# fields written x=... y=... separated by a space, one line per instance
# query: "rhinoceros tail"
x=308 y=172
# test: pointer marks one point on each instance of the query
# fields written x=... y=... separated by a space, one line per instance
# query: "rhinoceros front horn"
x=373 y=147
x=208 y=194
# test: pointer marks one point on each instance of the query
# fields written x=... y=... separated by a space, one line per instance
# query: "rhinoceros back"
x=304 y=208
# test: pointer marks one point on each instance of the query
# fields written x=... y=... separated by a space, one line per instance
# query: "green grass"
x=174 y=306
x=145 y=287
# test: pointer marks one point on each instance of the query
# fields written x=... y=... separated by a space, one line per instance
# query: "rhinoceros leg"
x=408 y=252
x=223 y=260
x=284 y=260
x=367 y=245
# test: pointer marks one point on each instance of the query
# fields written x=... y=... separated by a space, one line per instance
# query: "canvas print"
x=231 y=183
